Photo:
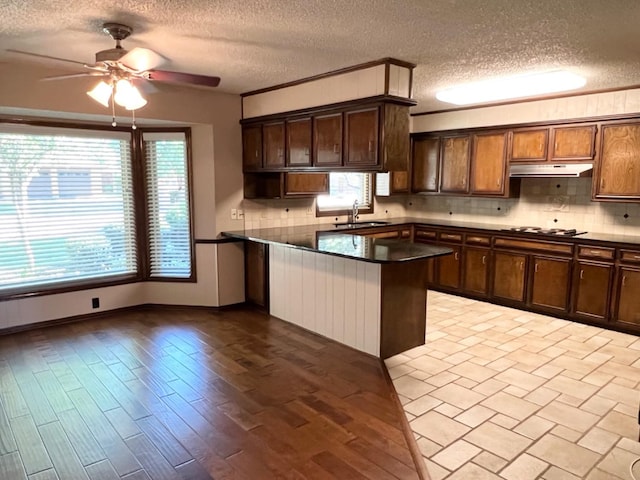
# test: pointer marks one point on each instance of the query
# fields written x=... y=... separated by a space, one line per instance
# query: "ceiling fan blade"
x=142 y=59
x=179 y=77
x=48 y=57
x=73 y=75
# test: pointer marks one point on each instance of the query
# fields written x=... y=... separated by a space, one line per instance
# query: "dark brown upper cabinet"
x=489 y=163
x=454 y=164
x=252 y=147
x=529 y=145
x=327 y=140
x=364 y=136
x=273 y=145
x=361 y=138
x=425 y=165
x=299 y=142
x=617 y=175
x=572 y=143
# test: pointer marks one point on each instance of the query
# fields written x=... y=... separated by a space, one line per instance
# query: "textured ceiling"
x=253 y=44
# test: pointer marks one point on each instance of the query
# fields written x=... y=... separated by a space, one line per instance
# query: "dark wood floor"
x=184 y=394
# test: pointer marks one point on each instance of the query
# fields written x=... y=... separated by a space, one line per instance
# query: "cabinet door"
x=476 y=269
x=299 y=143
x=509 y=275
x=255 y=268
x=305 y=184
x=550 y=283
x=327 y=140
x=488 y=163
x=361 y=138
x=273 y=145
x=628 y=310
x=572 y=143
x=448 y=268
x=591 y=290
x=619 y=172
x=529 y=145
x=454 y=168
x=252 y=148
x=425 y=165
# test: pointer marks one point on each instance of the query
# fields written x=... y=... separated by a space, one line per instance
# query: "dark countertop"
x=326 y=238
x=315 y=238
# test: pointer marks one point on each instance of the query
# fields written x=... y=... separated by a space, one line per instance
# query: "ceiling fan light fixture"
x=101 y=93
x=517 y=86
x=128 y=96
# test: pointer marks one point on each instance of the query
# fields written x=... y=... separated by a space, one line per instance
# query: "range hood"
x=551 y=170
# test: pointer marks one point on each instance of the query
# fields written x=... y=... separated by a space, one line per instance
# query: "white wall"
x=553 y=202
x=217 y=184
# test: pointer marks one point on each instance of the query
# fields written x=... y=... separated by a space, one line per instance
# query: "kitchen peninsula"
x=367 y=293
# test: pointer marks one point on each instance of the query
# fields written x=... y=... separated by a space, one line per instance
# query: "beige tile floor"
x=498 y=393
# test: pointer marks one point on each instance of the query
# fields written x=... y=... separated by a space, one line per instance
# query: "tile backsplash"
x=544 y=202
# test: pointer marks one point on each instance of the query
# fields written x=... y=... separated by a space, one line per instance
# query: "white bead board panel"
x=336 y=297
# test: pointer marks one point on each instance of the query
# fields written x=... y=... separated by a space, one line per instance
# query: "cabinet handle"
x=336 y=148
x=637 y=257
x=498 y=182
x=256 y=153
x=624 y=280
x=370 y=146
x=280 y=152
x=484 y=259
x=455 y=255
x=595 y=252
x=581 y=274
x=601 y=183
x=536 y=268
x=521 y=266
x=306 y=151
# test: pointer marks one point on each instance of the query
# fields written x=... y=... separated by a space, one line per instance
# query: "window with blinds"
x=66 y=207
x=169 y=225
x=344 y=189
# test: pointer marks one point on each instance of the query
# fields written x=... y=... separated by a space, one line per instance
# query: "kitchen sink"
x=360 y=224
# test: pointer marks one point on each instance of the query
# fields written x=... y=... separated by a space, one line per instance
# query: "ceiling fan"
x=121 y=69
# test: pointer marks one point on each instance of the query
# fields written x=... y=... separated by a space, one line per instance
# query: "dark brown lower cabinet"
x=509 y=277
x=550 y=283
x=448 y=268
x=628 y=304
x=256 y=273
x=476 y=270
x=591 y=287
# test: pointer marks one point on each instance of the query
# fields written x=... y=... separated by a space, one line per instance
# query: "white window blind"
x=344 y=189
x=169 y=228
x=66 y=206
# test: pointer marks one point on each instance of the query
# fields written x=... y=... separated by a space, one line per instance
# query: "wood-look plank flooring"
x=193 y=394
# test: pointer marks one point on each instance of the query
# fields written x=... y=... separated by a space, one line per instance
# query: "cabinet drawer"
x=478 y=240
x=405 y=233
x=451 y=237
x=425 y=234
x=549 y=247
x=597 y=252
x=632 y=256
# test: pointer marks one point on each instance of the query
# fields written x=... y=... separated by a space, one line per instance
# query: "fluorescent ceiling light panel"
x=511 y=87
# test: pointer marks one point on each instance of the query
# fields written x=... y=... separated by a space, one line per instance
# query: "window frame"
x=347 y=211
x=139 y=183
x=144 y=227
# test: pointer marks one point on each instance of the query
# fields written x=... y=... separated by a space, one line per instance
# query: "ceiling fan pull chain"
x=133 y=121
x=113 y=112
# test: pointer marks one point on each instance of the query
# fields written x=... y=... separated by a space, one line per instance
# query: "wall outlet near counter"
x=234 y=214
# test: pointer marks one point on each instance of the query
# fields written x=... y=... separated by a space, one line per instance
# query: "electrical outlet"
x=309 y=211
x=240 y=214
x=95 y=302
x=234 y=214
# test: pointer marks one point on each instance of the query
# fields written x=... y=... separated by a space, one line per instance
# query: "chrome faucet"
x=354 y=211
